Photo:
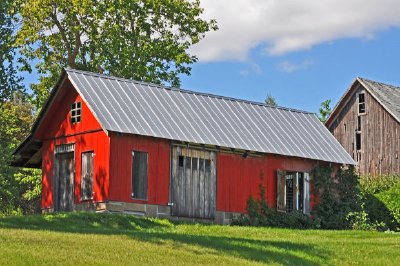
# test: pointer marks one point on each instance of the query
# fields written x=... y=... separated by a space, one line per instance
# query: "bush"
x=260 y=214
x=336 y=197
x=376 y=184
x=381 y=195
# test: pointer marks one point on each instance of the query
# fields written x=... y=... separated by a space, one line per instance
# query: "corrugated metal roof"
x=128 y=106
x=387 y=95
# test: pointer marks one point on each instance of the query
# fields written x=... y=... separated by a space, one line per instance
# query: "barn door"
x=64 y=182
x=193 y=183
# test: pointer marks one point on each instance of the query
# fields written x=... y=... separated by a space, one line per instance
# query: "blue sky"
x=302 y=52
x=303 y=79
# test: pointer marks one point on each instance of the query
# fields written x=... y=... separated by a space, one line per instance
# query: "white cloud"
x=290 y=67
x=283 y=26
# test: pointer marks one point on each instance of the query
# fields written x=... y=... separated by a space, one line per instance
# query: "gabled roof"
x=133 y=107
x=386 y=95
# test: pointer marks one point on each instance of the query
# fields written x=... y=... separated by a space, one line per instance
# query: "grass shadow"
x=162 y=232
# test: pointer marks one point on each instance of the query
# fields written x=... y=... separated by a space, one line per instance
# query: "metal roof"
x=387 y=95
x=133 y=107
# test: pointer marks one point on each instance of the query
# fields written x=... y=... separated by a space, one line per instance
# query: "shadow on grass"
x=161 y=232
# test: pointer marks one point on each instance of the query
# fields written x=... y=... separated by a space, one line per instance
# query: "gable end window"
x=293 y=192
x=76 y=112
x=361 y=103
x=139 y=174
x=87 y=176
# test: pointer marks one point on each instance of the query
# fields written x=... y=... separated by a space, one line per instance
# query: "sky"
x=302 y=52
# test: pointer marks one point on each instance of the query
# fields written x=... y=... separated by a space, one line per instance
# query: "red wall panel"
x=87 y=135
x=158 y=151
x=238 y=178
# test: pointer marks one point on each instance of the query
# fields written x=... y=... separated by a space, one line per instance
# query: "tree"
x=19 y=188
x=270 y=100
x=144 y=40
x=9 y=81
x=324 y=111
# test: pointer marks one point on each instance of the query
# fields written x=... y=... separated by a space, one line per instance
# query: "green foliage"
x=9 y=80
x=336 y=197
x=260 y=214
x=325 y=110
x=19 y=188
x=360 y=221
x=270 y=100
x=391 y=199
x=381 y=195
x=145 y=40
x=376 y=184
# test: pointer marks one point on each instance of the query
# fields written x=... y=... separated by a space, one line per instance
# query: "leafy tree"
x=19 y=188
x=138 y=39
x=9 y=81
x=270 y=100
x=325 y=111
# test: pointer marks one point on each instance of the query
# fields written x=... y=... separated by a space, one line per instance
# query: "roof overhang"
x=28 y=153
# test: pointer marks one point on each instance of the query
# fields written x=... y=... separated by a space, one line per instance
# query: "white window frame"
x=76 y=112
x=281 y=176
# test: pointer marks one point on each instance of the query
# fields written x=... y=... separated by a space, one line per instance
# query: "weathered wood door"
x=64 y=182
x=193 y=183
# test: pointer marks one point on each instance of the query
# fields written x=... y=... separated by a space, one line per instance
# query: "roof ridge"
x=185 y=91
x=378 y=82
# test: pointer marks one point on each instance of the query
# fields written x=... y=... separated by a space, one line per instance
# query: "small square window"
x=76 y=112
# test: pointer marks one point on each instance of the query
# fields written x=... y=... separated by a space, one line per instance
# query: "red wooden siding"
x=121 y=168
x=238 y=178
x=87 y=135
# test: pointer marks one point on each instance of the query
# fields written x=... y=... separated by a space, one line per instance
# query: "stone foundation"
x=147 y=210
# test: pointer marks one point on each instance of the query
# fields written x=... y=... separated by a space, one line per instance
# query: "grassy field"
x=104 y=239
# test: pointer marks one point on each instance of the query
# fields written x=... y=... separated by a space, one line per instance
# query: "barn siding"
x=380 y=134
x=121 y=171
x=87 y=135
x=238 y=178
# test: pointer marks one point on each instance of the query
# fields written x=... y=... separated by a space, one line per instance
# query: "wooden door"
x=64 y=182
x=193 y=183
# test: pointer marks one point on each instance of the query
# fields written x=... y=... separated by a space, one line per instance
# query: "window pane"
x=289 y=192
x=139 y=175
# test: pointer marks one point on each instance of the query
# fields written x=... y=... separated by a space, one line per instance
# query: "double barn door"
x=193 y=183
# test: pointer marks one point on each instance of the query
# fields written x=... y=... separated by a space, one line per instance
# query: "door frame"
x=61 y=150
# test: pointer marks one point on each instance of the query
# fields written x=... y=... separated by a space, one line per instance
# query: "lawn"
x=110 y=239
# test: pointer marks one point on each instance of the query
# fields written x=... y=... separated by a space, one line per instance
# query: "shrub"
x=381 y=195
x=337 y=197
x=260 y=214
x=376 y=184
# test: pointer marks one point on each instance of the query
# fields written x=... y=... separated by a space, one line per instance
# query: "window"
x=139 y=174
x=358 y=141
x=361 y=103
x=293 y=191
x=76 y=112
x=358 y=123
x=87 y=176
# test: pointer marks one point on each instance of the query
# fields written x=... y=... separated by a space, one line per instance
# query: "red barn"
x=110 y=144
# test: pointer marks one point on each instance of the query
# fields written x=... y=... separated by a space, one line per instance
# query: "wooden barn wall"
x=380 y=134
x=87 y=135
x=238 y=178
x=158 y=150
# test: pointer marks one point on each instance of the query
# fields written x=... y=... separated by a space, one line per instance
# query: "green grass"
x=105 y=239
